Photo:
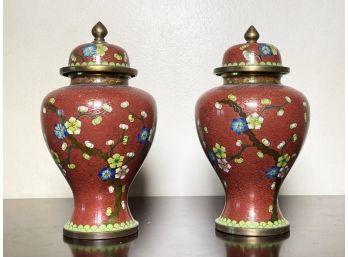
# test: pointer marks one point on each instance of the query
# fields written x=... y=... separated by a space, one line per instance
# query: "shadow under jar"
x=252 y=129
x=99 y=131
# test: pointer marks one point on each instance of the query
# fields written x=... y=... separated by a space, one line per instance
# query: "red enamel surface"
x=248 y=190
x=236 y=54
x=91 y=195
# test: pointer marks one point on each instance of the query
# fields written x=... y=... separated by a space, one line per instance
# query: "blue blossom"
x=239 y=125
x=60 y=131
x=265 y=50
x=272 y=172
x=143 y=135
x=106 y=173
x=212 y=156
x=89 y=51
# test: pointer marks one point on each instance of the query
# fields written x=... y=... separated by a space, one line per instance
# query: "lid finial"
x=99 y=31
x=251 y=35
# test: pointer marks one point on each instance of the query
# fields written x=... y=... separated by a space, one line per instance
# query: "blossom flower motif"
x=44 y=110
x=151 y=135
x=293 y=125
x=270 y=208
x=89 y=51
x=224 y=165
x=254 y=121
x=86 y=156
x=218 y=106
x=115 y=161
x=64 y=146
x=265 y=101
x=110 y=142
x=239 y=142
x=232 y=97
x=82 y=108
x=60 y=131
x=125 y=140
x=280 y=112
x=294 y=138
x=304 y=104
x=73 y=58
x=124 y=104
x=143 y=114
x=212 y=156
x=131 y=117
x=121 y=172
x=106 y=173
x=123 y=205
x=283 y=171
x=273 y=185
x=71 y=166
x=274 y=50
x=288 y=99
x=239 y=125
x=281 y=145
x=305 y=117
x=238 y=160
x=118 y=57
x=55 y=156
x=89 y=144
x=272 y=172
x=52 y=100
x=219 y=150
x=143 y=135
x=265 y=142
x=123 y=126
x=108 y=211
x=283 y=160
x=111 y=189
x=265 y=50
x=205 y=129
x=101 y=49
x=260 y=154
x=97 y=120
x=59 y=112
x=106 y=107
x=73 y=126
x=130 y=154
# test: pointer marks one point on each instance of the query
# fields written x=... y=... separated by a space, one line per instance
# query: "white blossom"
x=265 y=142
x=64 y=146
x=288 y=99
x=124 y=104
x=124 y=126
x=280 y=112
x=239 y=142
x=143 y=114
x=89 y=144
x=130 y=154
x=107 y=107
x=123 y=204
x=281 y=145
x=293 y=125
x=218 y=106
x=110 y=142
x=111 y=189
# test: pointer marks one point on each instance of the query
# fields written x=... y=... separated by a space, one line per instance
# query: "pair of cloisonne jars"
x=99 y=131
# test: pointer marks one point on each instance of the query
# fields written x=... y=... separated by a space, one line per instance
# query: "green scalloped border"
x=252 y=224
x=251 y=64
x=101 y=64
x=102 y=228
x=99 y=248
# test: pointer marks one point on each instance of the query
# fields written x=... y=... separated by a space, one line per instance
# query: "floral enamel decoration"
x=99 y=131
x=252 y=129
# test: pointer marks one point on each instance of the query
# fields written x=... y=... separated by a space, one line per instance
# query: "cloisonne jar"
x=99 y=131
x=252 y=129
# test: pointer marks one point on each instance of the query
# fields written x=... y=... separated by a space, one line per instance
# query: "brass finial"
x=99 y=31
x=251 y=35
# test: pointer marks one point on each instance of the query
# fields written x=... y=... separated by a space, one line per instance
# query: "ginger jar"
x=252 y=129
x=98 y=131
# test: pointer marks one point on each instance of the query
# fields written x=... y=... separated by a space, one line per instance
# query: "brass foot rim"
x=100 y=235
x=252 y=231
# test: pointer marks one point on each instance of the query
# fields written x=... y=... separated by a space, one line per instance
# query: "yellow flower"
x=108 y=211
x=73 y=126
x=101 y=49
x=131 y=118
x=118 y=56
x=115 y=161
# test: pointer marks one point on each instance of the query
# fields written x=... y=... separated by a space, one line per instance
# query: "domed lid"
x=98 y=56
x=252 y=57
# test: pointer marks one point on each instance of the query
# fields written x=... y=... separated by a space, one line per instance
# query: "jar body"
x=99 y=135
x=252 y=134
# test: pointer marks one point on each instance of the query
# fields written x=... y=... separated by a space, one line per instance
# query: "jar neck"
x=236 y=78
x=99 y=79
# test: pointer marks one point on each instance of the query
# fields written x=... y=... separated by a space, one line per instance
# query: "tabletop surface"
x=176 y=226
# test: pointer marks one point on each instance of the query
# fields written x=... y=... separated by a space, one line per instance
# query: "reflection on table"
x=243 y=246
x=118 y=247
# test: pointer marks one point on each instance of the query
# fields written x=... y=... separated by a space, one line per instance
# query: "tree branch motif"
x=281 y=161
x=116 y=164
